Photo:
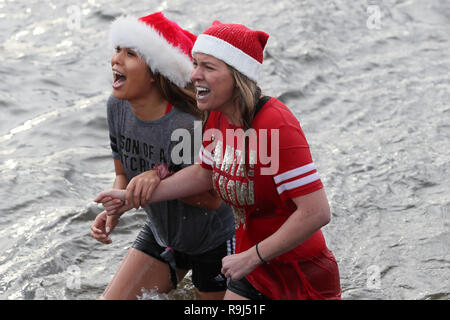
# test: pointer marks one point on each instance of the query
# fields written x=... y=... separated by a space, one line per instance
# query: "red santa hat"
x=163 y=44
x=236 y=45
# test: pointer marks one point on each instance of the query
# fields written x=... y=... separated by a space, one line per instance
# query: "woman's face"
x=214 y=83
x=131 y=76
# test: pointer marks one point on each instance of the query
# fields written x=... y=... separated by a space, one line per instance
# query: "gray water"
x=368 y=80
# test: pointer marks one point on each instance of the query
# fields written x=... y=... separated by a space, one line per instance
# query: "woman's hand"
x=102 y=226
x=237 y=266
x=139 y=190
x=114 y=202
x=105 y=196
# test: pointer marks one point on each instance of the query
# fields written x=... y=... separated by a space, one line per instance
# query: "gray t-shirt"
x=140 y=145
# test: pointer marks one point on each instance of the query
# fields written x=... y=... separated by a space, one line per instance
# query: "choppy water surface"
x=369 y=81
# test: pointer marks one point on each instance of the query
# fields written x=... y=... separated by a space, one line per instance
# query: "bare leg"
x=230 y=295
x=137 y=271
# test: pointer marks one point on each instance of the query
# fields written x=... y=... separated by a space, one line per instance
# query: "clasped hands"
x=137 y=194
x=118 y=201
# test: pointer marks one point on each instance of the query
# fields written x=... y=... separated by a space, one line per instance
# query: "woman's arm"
x=103 y=225
x=313 y=212
x=208 y=200
x=142 y=186
x=121 y=180
x=187 y=182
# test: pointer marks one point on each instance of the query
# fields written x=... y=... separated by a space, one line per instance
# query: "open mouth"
x=202 y=92
x=119 y=79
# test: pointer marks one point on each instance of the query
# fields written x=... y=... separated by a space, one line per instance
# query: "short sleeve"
x=297 y=174
x=111 y=112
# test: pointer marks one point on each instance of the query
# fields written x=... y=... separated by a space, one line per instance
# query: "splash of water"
x=152 y=294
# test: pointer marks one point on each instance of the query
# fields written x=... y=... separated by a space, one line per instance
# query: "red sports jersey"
x=259 y=187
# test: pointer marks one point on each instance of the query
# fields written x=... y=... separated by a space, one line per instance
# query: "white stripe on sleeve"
x=298 y=183
x=294 y=173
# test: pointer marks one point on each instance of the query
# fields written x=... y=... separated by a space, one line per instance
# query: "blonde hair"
x=246 y=95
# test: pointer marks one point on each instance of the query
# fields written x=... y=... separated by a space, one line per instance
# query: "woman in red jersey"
x=255 y=155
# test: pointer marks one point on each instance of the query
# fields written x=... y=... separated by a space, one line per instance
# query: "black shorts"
x=245 y=289
x=206 y=267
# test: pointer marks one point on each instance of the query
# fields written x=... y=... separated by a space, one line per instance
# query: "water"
x=369 y=81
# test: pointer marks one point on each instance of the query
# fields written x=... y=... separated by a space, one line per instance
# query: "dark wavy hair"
x=182 y=98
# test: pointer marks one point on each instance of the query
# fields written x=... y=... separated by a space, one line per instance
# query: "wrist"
x=253 y=257
x=261 y=258
x=162 y=171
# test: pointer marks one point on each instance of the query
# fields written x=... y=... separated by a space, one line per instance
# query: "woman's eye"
x=117 y=49
x=131 y=54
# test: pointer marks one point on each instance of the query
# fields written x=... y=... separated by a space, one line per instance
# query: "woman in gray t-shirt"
x=151 y=99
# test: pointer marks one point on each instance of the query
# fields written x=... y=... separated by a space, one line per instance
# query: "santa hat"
x=165 y=46
x=236 y=45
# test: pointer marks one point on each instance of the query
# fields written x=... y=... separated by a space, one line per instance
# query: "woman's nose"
x=195 y=74
x=116 y=58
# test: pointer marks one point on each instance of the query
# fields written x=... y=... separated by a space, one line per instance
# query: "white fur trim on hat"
x=158 y=53
x=228 y=53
